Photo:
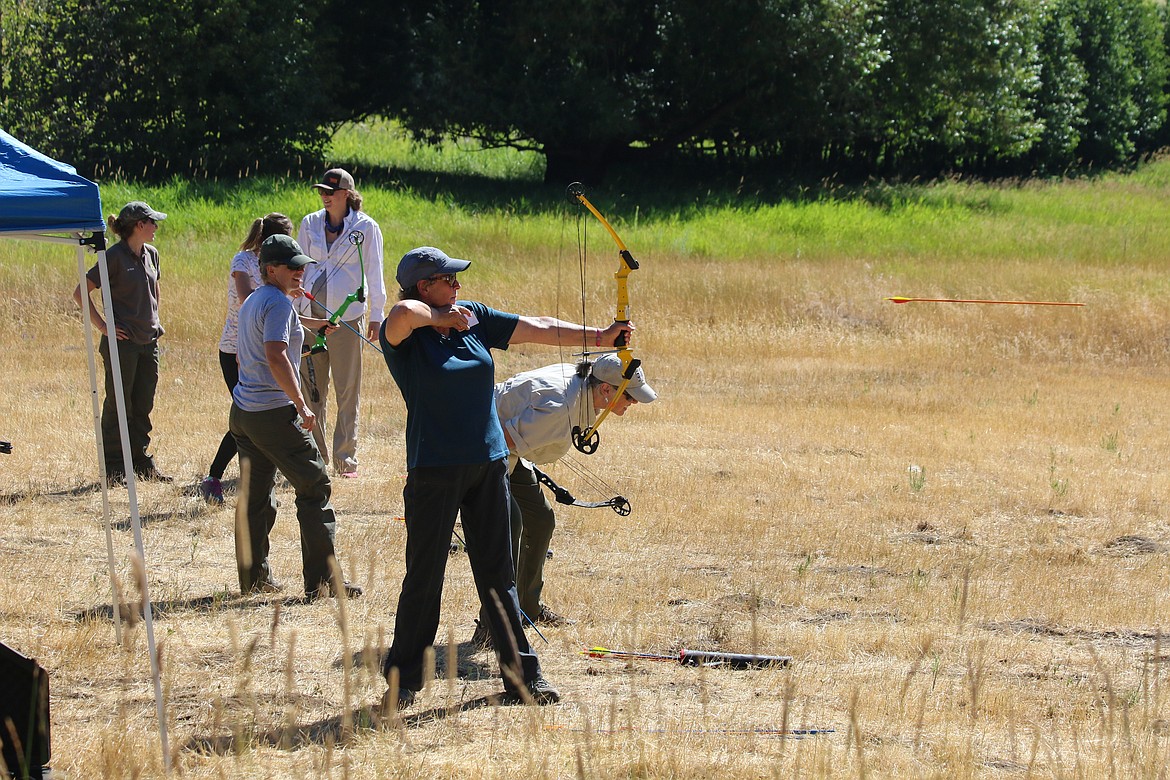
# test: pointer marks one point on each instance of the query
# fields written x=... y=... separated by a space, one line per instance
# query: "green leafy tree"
x=1060 y=102
x=217 y=87
x=569 y=79
x=784 y=79
x=1145 y=23
x=1125 y=64
x=955 y=90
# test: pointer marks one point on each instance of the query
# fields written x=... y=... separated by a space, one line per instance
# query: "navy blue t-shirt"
x=448 y=383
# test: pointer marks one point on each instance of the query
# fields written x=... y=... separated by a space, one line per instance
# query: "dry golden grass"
x=950 y=516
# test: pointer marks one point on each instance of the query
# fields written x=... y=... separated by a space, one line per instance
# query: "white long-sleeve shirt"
x=539 y=408
x=337 y=272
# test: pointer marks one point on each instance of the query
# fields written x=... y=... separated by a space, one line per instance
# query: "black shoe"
x=481 y=638
x=405 y=699
x=351 y=591
x=540 y=690
x=270 y=585
x=546 y=617
x=152 y=474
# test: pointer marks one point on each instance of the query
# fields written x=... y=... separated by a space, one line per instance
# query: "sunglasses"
x=448 y=278
x=625 y=394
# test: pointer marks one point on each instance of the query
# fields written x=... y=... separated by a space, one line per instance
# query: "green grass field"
x=953 y=517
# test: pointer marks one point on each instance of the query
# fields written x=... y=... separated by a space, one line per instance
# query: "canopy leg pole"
x=135 y=519
x=115 y=591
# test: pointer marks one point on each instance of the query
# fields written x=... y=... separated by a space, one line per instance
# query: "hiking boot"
x=539 y=689
x=351 y=591
x=546 y=617
x=211 y=490
x=405 y=699
x=481 y=638
x=270 y=585
x=152 y=474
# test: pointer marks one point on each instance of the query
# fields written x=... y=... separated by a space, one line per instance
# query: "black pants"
x=269 y=441
x=433 y=496
x=139 y=376
x=227 y=446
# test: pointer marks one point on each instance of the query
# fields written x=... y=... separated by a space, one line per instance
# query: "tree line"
x=854 y=88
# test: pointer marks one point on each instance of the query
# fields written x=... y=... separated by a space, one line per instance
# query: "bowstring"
x=582 y=266
x=346 y=257
x=590 y=478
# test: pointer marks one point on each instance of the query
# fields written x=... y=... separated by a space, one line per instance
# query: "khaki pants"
x=341 y=363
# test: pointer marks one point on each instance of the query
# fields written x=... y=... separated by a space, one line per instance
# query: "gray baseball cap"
x=425 y=262
x=608 y=368
x=136 y=211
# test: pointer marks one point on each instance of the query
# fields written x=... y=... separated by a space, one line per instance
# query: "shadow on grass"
x=230 y=487
x=28 y=495
x=637 y=188
x=161 y=610
x=467 y=667
x=1043 y=628
x=331 y=731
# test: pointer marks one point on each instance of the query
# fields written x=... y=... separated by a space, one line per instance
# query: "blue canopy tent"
x=41 y=195
x=42 y=199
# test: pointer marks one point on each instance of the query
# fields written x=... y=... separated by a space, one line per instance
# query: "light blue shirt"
x=539 y=408
x=267 y=315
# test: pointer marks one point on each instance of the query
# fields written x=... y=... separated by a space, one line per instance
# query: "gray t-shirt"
x=267 y=315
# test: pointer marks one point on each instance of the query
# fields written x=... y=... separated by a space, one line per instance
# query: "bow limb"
x=335 y=319
x=576 y=193
x=619 y=504
x=587 y=441
x=357 y=238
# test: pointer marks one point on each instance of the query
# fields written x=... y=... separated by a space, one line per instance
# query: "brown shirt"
x=133 y=291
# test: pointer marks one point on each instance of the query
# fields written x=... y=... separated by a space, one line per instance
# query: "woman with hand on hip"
x=133 y=266
x=271 y=422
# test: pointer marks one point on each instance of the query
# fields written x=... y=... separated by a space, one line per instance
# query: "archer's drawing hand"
x=609 y=336
x=453 y=316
